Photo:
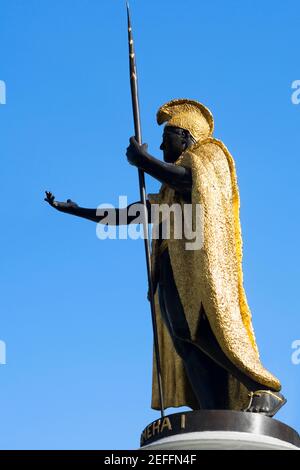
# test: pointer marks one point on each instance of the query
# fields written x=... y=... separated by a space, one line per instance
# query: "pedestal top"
x=219 y=429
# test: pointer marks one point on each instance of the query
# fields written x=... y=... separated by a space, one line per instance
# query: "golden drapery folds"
x=212 y=275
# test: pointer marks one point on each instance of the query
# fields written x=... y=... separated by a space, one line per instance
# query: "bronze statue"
x=208 y=351
x=205 y=353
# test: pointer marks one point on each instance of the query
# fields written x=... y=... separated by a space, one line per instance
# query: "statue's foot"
x=265 y=402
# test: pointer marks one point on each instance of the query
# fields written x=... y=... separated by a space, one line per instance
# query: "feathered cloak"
x=212 y=276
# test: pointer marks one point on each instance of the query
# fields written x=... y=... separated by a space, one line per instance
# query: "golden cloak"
x=211 y=275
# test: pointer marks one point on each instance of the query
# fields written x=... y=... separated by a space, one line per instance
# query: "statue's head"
x=187 y=122
x=175 y=141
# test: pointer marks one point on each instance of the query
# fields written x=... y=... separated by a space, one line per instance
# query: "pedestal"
x=219 y=430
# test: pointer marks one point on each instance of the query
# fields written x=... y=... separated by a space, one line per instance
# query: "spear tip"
x=128 y=15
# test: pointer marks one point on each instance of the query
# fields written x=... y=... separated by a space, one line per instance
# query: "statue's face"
x=174 y=143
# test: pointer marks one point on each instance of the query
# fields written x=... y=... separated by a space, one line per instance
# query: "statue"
x=208 y=351
x=205 y=353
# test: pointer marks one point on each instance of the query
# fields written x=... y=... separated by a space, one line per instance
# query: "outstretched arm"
x=116 y=216
x=178 y=177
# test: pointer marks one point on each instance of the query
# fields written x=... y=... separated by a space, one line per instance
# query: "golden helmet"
x=189 y=115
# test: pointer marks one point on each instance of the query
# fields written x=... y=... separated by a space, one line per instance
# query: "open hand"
x=50 y=198
x=136 y=153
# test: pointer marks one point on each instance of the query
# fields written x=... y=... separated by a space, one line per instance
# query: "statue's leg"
x=208 y=380
x=205 y=362
x=262 y=399
x=208 y=344
x=206 y=340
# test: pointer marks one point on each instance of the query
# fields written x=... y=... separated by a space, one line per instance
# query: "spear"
x=142 y=186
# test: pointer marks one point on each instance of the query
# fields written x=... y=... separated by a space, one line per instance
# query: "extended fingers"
x=49 y=196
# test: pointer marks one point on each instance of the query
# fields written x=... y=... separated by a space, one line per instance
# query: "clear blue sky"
x=74 y=313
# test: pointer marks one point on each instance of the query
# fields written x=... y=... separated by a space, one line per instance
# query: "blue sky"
x=74 y=314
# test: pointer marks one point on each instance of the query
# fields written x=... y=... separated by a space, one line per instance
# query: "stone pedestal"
x=216 y=430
